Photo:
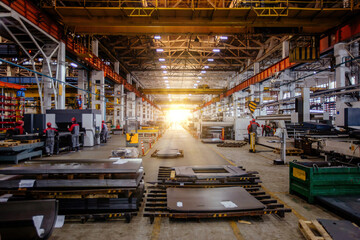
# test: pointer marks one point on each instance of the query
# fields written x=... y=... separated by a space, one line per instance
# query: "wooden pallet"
x=290 y=151
x=30 y=141
x=312 y=230
x=9 y=143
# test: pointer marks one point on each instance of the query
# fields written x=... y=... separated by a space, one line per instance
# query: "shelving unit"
x=12 y=107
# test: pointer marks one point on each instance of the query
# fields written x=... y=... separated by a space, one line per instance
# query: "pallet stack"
x=102 y=190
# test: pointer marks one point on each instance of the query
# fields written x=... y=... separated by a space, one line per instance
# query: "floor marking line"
x=229 y=161
x=156 y=229
x=150 y=148
x=298 y=215
x=236 y=230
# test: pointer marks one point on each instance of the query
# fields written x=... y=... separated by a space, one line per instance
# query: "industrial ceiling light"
x=216 y=50
x=163 y=66
x=199 y=77
x=223 y=37
x=159 y=50
x=165 y=77
x=157 y=37
x=210 y=59
x=166 y=81
x=167 y=86
x=206 y=67
x=74 y=65
x=197 y=81
x=203 y=71
x=164 y=72
x=162 y=59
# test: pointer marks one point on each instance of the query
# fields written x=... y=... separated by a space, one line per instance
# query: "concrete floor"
x=274 y=178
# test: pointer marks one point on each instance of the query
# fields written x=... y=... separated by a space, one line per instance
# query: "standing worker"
x=104 y=132
x=252 y=128
x=267 y=130
x=75 y=132
x=50 y=139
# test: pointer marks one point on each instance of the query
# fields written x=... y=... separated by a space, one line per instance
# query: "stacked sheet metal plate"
x=108 y=187
x=207 y=175
x=228 y=199
x=208 y=192
x=347 y=207
x=340 y=229
x=168 y=153
x=212 y=140
x=126 y=152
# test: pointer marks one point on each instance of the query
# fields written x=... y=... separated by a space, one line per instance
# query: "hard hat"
x=253 y=120
x=103 y=121
x=73 y=119
x=20 y=122
x=48 y=124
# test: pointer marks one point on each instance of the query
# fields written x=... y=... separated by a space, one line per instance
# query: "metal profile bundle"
x=207 y=176
x=158 y=202
x=85 y=190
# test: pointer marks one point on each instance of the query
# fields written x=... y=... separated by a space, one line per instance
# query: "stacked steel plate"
x=208 y=192
x=110 y=189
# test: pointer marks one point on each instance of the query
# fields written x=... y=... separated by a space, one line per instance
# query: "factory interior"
x=180 y=119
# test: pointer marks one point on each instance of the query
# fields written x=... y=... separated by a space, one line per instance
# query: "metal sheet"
x=76 y=183
x=126 y=166
x=347 y=207
x=211 y=171
x=16 y=219
x=211 y=200
x=165 y=153
x=340 y=229
x=212 y=140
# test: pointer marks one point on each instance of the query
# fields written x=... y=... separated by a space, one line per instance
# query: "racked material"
x=227 y=199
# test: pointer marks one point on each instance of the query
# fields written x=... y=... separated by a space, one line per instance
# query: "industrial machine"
x=88 y=119
x=132 y=136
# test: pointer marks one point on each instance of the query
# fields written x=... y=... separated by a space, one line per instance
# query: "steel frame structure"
x=35 y=43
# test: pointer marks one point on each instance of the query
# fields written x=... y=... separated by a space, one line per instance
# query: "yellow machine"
x=132 y=136
x=132 y=139
x=252 y=142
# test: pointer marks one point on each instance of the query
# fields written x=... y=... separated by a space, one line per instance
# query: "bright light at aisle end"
x=177 y=115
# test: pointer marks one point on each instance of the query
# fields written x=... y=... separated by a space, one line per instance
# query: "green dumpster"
x=311 y=179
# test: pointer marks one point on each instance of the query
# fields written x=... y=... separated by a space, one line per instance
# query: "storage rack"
x=12 y=108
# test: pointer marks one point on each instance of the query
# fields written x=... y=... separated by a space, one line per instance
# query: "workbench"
x=21 y=152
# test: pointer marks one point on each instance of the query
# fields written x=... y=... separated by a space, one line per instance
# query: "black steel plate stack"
x=208 y=192
x=109 y=188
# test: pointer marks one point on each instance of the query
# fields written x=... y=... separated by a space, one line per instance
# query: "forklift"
x=132 y=136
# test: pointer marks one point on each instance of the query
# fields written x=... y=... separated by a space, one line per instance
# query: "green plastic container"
x=311 y=179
